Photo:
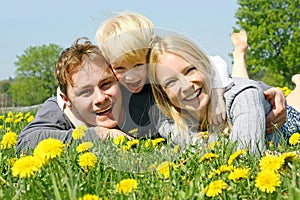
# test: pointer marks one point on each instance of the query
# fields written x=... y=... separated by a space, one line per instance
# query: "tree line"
x=273 y=56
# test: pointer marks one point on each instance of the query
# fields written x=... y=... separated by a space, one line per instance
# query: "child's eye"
x=140 y=65
x=120 y=69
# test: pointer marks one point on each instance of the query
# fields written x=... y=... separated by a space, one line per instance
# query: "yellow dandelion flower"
x=208 y=156
x=224 y=168
x=212 y=145
x=164 y=168
x=133 y=131
x=119 y=140
x=125 y=148
x=12 y=161
x=87 y=160
x=156 y=141
x=48 y=149
x=238 y=174
x=294 y=139
x=271 y=162
x=8 y=119
x=9 y=140
x=84 y=146
x=27 y=114
x=30 y=119
x=152 y=166
x=126 y=186
x=16 y=121
x=1 y=127
x=129 y=144
x=289 y=156
x=286 y=91
x=176 y=148
x=210 y=175
x=79 y=132
x=132 y=143
x=236 y=154
x=214 y=188
x=148 y=143
x=89 y=197
x=267 y=181
x=2 y=117
x=25 y=166
x=10 y=114
x=8 y=129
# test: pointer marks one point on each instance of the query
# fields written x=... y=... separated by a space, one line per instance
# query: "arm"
x=278 y=113
x=245 y=104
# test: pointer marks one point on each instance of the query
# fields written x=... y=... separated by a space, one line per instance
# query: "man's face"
x=95 y=97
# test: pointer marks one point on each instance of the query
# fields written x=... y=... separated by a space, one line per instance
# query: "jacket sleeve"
x=246 y=110
x=49 y=122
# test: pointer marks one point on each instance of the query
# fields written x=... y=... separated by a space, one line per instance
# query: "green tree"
x=35 y=81
x=273 y=29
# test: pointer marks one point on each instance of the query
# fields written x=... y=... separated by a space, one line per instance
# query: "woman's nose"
x=186 y=86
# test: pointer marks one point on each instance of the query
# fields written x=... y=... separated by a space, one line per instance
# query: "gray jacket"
x=49 y=121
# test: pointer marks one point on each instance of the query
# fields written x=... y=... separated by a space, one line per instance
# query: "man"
x=90 y=91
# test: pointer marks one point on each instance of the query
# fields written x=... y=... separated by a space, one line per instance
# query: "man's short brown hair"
x=72 y=59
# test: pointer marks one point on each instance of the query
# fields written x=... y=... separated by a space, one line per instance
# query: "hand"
x=105 y=133
x=277 y=116
x=240 y=41
x=217 y=110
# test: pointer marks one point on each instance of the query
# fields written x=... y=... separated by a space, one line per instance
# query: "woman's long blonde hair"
x=189 y=51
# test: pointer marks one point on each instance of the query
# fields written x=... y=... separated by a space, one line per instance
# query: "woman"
x=181 y=76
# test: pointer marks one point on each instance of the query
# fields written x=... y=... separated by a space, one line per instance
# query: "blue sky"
x=35 y=22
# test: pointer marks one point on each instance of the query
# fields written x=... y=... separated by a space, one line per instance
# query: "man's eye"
x=107 y=84
x=85 y=92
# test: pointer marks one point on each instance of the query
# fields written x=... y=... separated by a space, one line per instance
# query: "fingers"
x=218 y=119
x=276 y=118
x=275 y=121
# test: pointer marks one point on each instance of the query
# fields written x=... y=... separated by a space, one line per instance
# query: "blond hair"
x=125 y=36
x=186 y=49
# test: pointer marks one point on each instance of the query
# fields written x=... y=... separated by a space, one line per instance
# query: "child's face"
x=133 y=75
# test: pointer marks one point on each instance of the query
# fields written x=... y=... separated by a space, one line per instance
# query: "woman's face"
x=183 y=84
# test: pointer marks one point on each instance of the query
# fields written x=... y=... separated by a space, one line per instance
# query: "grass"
x=147 y=169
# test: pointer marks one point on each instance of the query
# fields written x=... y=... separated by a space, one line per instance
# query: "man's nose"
x=99 y=97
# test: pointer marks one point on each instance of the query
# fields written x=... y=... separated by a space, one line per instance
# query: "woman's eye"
x=191 y=69
x=169 y=83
